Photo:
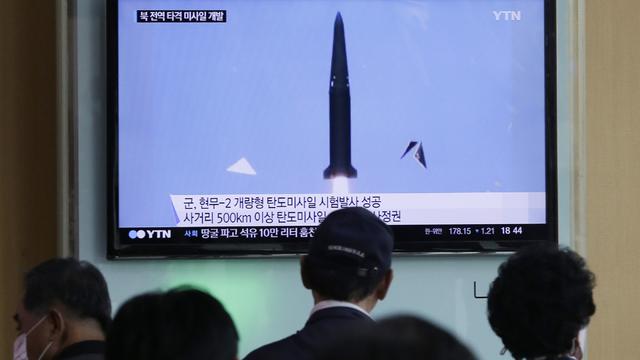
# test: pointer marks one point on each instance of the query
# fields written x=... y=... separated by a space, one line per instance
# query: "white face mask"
x=20 y=345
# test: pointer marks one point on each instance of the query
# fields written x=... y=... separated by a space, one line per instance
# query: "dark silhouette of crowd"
x=538 y=304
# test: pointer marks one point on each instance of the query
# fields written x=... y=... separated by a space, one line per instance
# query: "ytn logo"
x=507 y=15
x=150 y=234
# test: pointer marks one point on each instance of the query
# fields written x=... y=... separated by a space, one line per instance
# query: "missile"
x=339 y=109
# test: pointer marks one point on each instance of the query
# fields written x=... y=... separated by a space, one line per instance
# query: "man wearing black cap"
x=348 y=269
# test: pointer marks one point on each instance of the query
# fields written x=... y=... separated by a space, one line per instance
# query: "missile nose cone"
x=338 y=28
x=339 y=72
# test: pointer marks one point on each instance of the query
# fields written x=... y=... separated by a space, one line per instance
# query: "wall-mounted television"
x=235 y=127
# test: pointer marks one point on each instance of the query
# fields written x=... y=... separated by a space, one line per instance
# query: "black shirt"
x=322 y=327
x=84 y=350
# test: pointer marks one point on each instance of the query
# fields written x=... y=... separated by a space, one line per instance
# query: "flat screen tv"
x=235 y=127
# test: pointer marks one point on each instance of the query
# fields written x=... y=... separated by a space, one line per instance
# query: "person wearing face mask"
x=539 y=303
x=64 y=313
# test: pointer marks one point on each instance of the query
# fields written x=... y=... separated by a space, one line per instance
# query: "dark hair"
x=540 y=301
x=399 y=338
x=180 y=324
x=78 y=285
x=333 y=282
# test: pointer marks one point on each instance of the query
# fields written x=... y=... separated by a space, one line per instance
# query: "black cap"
x=353 y=240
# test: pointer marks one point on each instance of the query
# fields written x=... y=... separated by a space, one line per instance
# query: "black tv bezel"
x=117 y=250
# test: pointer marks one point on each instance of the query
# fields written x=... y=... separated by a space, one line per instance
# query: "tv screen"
x=236 y=126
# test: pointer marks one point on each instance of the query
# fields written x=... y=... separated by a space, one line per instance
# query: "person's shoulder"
x=83 y=350
x=322 y=327
x=281 y=349
x=88 y=357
